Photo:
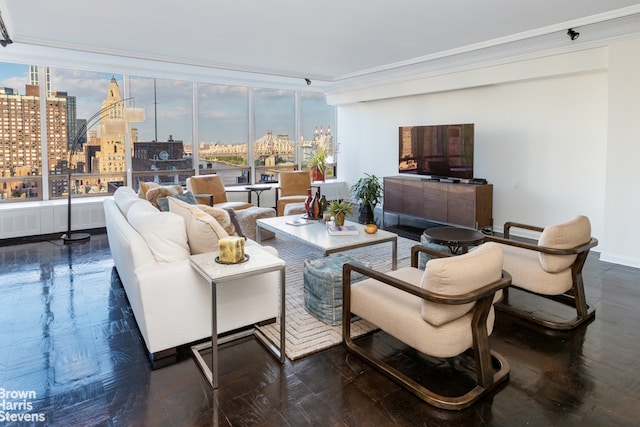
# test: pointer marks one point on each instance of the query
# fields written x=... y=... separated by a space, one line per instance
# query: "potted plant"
x=339 y=209
x=317 y=163
x=367 y=192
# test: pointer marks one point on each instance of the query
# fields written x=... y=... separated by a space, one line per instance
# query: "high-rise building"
x=111 y=131
x=34 y=78
x=20 y=138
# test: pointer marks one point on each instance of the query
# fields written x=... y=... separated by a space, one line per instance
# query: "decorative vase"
x=323 y=204
x=315 y=174
x=307 y=203
x=366 y=214
x=339 y=218
x=315 y=206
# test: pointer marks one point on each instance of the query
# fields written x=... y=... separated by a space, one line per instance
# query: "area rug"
x=304 y=333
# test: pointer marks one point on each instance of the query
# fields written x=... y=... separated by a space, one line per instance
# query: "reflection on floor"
x=70 y=344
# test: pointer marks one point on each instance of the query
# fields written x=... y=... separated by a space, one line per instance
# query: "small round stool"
x=323 y=286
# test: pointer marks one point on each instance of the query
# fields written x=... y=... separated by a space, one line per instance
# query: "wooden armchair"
x=293 y=188
x=205 y=186
x=442 y=312
x=552 y=268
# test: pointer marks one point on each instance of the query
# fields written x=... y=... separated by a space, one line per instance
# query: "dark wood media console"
x=466 y=205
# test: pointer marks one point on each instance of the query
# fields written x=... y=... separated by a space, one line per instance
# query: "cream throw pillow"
x=203 y=231
x=164 y=232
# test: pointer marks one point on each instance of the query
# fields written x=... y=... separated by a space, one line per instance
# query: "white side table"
x=260 y=261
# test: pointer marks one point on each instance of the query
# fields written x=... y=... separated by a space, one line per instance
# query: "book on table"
x=342 y=230
x=299 y=221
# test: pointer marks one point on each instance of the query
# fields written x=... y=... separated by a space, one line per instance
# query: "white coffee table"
x=315 y=234
x=260 y=261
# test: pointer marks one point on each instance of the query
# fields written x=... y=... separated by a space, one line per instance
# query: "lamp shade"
x=113 y=126
x=133 y=114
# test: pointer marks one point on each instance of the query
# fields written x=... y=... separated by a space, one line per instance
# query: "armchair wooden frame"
x=491 y=368
x=575 y=297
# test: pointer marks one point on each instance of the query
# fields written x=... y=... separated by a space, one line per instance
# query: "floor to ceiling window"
x=317 y=119
x=20 y=141
x=223 y=132
x=247 y=135
x=274 y=128
x=161 y=145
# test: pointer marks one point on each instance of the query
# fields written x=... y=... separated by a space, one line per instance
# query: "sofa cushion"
x=224 y=218
x=570 y=234
x=163 y=191
x=125 y=197
x=187 y=197
x=164 y=232
x=458 y=275
x=203 y=231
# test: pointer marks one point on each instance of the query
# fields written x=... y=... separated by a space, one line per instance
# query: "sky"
x=223 y=110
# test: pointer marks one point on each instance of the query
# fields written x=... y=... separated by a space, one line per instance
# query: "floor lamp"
x=118 y=124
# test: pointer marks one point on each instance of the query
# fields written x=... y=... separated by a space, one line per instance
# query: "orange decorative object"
x=371 y=228
x=316 y=174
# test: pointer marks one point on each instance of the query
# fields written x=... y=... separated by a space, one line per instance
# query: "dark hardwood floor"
x=71 y=353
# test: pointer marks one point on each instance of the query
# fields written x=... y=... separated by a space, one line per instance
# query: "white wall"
x=544 y=143
x=622 y=201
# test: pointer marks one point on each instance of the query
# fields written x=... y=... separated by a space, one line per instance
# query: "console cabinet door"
x=435 y=201
x=413 y=198
x=461 y=205
x=393 y=194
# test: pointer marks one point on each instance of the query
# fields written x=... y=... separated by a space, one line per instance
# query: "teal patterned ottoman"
x=424 y=257
x=323 y=286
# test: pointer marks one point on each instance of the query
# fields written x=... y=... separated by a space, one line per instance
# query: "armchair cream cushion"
x=570 y=234
x=456 y=276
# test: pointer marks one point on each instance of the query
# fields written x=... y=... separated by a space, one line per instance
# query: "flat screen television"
x=440 y=151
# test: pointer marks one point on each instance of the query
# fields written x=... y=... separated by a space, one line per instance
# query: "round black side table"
x=456 y=239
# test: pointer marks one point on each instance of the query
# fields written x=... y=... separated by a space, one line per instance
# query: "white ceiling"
x=330 y=41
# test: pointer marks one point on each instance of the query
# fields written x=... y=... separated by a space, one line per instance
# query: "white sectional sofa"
x=171 y=302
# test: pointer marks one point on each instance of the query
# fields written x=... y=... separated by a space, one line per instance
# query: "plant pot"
x=315 y=174
x=339 y=218
x=366 y=214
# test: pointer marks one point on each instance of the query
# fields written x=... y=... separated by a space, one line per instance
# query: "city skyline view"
x=223 y=109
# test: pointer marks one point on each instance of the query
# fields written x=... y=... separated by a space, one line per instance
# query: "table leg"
x=394 y=254
x=282 y=315
x=214 y=337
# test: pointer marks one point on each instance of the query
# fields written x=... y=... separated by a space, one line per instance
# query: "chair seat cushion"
x=233 y=205
x=399 y=314
x=527 y=273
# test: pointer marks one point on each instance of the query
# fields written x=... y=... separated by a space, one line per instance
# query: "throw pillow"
x=187 y=197
x=223 y=218
x=203 y=231
x=234 y=220
x=143 y=187
x=162 y=191
x=164 y=232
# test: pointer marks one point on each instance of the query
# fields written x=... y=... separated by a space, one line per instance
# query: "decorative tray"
x=246 y=258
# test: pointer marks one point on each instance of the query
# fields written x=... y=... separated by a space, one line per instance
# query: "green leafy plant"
x=318 y=159
x=367 y=190
x=339 y=209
